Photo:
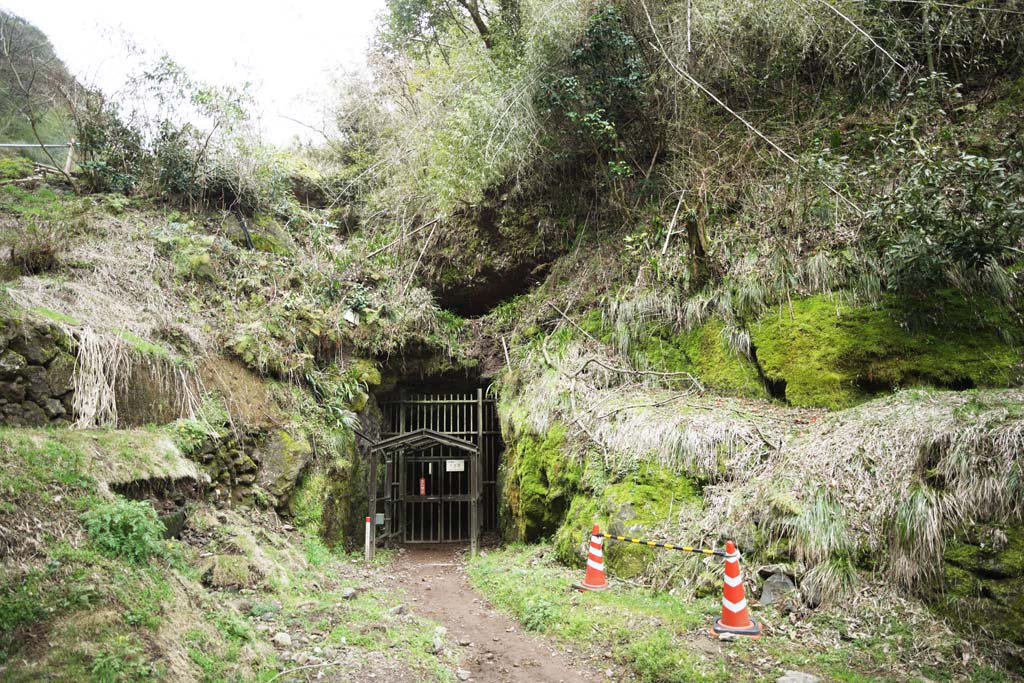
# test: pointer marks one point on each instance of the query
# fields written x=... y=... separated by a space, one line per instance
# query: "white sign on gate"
x=454 y=465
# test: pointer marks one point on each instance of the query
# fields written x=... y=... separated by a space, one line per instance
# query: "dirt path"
x=492 y=647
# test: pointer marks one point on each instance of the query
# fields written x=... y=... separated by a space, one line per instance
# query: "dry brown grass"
x=891 y=478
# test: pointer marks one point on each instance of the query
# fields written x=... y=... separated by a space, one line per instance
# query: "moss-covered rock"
x=540 y=480
x=283 y=457
x=983 y=587
x=345 y=501
x=229 y=572
x=832 y=355
x=266 y=233
x=631 y=507
x=705 y=354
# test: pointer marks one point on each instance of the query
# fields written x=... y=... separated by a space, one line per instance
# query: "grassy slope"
x=71 y=612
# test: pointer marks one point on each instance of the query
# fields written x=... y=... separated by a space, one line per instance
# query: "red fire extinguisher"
x=423 y=486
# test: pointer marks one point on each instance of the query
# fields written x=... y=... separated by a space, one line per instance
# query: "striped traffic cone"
x=734 y=601
x=594 y=579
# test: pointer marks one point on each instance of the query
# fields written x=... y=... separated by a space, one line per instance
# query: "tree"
x=424 y=22
x=34 y=84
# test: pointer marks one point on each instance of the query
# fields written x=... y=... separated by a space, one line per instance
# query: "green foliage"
x=951 y=217
x=121 y=659
x=113 y=156
x=125 y=528
x=600 y=97
x=14 y=168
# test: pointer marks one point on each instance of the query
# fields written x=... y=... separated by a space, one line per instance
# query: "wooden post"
x=71 y=157
x=369 y=540
x=372 y=505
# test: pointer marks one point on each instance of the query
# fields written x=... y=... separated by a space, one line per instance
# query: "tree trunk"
x=473 y=7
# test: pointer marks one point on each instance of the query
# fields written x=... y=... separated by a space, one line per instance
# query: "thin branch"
x=573 y=323
x=661 y=48
x=867 y=35
x=672 y=225
x=402 y=237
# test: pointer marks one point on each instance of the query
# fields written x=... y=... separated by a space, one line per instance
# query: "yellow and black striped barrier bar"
x=667 y=546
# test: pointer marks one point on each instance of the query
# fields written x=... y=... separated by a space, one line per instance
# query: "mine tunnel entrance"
x=435 y=469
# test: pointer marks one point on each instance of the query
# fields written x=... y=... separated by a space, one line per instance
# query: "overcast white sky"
x=286 y=49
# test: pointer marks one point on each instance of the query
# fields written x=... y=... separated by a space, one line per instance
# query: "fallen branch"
x=402 y=237
x=627 y=371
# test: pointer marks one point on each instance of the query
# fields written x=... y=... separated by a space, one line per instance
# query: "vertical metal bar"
x=372 y=490
x=474 y=483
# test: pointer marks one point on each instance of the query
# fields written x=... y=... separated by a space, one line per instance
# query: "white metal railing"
x=69 y=146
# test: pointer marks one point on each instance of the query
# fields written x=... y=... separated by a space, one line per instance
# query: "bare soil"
x=492 y=646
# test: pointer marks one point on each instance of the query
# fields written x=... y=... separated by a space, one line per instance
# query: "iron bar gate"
x=432 y=492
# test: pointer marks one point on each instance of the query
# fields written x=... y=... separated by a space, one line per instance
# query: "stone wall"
x=36 y=374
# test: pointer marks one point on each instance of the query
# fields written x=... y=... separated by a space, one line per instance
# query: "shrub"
x=13 y=168
x=36 y=247
x=121 y=660
x=125 y=528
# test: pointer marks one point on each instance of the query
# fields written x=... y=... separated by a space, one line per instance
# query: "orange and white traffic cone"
x=734 y=601
x=594 y=579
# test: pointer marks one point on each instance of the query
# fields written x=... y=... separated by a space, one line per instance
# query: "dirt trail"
x=491 y=646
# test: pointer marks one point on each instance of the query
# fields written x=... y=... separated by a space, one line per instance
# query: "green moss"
x=983 y=585
x=540 y=480
x=631 y=507
x=148 y=348
x=56 y=316
x=306 y=504
x=704 y=353
x=365 y=371
x=267 y=236
x=831 y=355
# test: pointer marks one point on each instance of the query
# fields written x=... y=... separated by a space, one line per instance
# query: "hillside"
x=727 y=271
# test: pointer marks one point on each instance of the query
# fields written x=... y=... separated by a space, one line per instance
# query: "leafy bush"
x=121 y=660
x=125 y=528
x=13 y=168
x=113 y=156
x=539 y=614
x=950 y=217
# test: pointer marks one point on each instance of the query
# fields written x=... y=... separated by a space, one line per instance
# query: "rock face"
x=283 y=457
x=775 y=588
x=36 y=374
x=632 y=507
x=983 y=584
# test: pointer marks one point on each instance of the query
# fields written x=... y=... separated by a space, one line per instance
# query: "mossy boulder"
x=828 y=354
x=704 y=353
x=540 y=481
x=634 y=507
x=983 y=582
x=283 y=457
x=266 y=233
x=229 y=572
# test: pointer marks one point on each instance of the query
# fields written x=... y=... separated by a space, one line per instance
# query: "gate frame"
x=393 y=451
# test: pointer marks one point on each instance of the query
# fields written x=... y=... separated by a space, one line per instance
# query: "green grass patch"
x=657 y=636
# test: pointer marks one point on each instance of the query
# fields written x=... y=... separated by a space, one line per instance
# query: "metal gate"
x=440 y=456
